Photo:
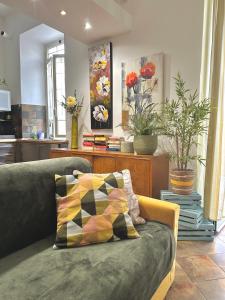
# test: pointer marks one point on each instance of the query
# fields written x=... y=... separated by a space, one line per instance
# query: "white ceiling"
x=107 y=17
x=43 y=34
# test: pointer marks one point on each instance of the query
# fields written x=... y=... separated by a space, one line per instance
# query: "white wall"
x=173 y=27
x=15 y=24
x=2 y=58
x=77 y=77
x=32 y=70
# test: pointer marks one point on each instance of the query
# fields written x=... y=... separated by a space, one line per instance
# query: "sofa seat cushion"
x=128 y=269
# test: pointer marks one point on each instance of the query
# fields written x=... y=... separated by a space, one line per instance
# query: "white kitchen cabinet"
x=5 y=100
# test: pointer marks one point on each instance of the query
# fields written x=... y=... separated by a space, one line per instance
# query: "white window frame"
x=54 y=130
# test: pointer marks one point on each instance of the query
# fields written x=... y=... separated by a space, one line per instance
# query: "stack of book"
x=88 y=141
x=100 y=142
x=192 y=225
x=114 y=143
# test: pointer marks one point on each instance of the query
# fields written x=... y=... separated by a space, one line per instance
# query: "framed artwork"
x=142 y=80
x=100 y=70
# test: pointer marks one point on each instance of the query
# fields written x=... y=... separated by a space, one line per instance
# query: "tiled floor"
x=200 y=270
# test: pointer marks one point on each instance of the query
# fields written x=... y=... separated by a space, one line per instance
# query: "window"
x=56 y=90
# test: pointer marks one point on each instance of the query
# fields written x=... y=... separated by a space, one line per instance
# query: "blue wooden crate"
x=182 y=224
x=189 y=206
x=195 y=238
x=203 y=225
x=192 y=213
x=168 y=195
x=191 y=220
x=195 y=233
x=186 y=203
x=207 y=225
x=192 y=225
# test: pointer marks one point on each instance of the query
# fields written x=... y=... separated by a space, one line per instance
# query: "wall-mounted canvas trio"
x=142 y=80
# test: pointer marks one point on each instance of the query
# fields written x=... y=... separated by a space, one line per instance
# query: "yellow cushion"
x=92 y=208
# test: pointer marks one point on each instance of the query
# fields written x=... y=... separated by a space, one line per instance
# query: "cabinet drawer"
x=104 y=164
x=140 y=173
x=88 y=157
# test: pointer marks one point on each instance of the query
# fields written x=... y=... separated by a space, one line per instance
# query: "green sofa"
x=31 y=269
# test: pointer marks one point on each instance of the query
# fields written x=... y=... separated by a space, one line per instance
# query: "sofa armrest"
x=161 y=211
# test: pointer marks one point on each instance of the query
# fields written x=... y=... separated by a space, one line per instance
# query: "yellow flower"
x=106 y=114
x=100 y=65
x=71 y=101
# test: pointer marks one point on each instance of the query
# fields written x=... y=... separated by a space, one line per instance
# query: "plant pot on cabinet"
x=145 y=144
x=181 y=181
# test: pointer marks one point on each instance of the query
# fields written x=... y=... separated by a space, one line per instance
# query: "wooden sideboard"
x=149 y=173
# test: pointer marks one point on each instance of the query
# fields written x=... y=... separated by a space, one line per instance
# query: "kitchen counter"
x=45 y=141
x=27 y=149
x=3 y=141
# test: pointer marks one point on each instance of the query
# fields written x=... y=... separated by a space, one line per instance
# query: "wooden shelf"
x=104 y=153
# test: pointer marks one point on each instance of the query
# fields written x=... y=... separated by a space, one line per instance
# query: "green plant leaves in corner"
x=183 y=120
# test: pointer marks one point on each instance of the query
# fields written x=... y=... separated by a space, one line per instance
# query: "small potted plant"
x=183 y=120
x=144 y=126
x=142 y=119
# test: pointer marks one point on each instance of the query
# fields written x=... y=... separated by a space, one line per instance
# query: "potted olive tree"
x=144 y=126
x=182 y=121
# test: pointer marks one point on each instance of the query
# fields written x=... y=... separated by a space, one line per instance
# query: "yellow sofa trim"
x=166 y=213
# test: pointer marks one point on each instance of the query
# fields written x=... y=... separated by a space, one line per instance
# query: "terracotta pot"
x=181 y=181
x=145 y=144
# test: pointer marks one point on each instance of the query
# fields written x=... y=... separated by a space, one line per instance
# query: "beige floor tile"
x=183 y=288
x=190 y=248
x=201 y=268
x=213 y=290
x=219 y=259
x=217 y=246
x=184 y=291
x=187 y=248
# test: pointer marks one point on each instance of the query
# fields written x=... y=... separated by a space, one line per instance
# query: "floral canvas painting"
x=142 y=80
x=100 y=69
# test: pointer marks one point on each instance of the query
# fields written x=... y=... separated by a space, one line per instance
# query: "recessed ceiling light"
x=87 y=25
x=63 y=12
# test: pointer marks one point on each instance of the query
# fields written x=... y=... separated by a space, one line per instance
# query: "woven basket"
x=181 y=182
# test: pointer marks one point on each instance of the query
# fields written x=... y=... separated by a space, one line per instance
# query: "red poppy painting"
x=142 y=80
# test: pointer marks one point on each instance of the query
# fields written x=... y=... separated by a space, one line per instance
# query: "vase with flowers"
x=143 y=120
x=73 y=106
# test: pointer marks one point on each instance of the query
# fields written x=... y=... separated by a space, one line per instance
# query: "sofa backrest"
x=27 y=200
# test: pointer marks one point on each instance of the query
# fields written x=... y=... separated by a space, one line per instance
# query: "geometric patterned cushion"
x=133 y=204
x=92 y=208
